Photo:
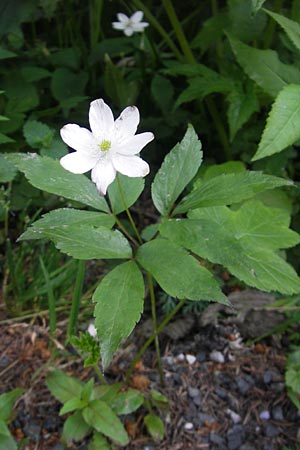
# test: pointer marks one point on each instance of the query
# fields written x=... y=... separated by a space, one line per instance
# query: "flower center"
x=105 y=146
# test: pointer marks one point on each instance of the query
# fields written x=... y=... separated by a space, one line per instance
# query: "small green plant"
x=7 y=402
x=292 y=377
x=95 y=410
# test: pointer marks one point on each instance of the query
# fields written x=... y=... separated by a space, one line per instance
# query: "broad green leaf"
x=220 y=169
x=227 y=189
x=154 y=426
x=5 y=139
x=6 y=54
x=65 y=217
x=242 y=104
x=127 y=402
x=264 y=67
x=87 y=242
x=4 y=430
x=75 y=428
x=34 y=73
x=48 y=175
x=162 y=91
x=177 y=170
x=67 y=84
x=7 y=442
x=291 y=27
x=256 y=5
x=62 y=386
x=178 y=273
x=106 y=393
x=22 y=95
x=101 y=417
x=71 y=405
x=99 y=442
x=7 y=402
x=283 y=124
x=37 y=134
x=245 y=241
x=119 y=295
x=131 y=188
x=245 y=25
x=211 y=31
x=7 y=170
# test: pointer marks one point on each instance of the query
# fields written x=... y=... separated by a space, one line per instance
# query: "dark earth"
x=225 y=391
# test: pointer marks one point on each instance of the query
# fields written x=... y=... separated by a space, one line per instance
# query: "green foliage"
x=292 y=377
x=7 y=402
x=282 y=127
x=291 y=27
x=155 y=426
x=132 y=189
x=88 y=347
x=119 y=295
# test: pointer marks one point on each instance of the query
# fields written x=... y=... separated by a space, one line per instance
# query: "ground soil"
x=224 y=393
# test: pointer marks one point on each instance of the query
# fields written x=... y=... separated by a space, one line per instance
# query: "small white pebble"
x=216 y=356
x=180 y=357
x=92 y=330
x=190 y=358
x=236 y=418
x=188 y=426
x=265 y=415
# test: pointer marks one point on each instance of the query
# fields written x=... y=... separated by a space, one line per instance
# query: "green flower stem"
x=179 y=31
x=51 y=297
x=99 y=374
x=150 y=284
x=152 y=338
x=154 y=318
x=159 y=28
x=128 y=212
x=76 y=298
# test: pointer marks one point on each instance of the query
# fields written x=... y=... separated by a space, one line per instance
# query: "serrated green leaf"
x=71 y=405
x=227 y=189
x=99 y=442
x=256 y=5
x=244 y=24
x=65 y=217
x=7 y=170
x=66 y=84
x=62 y=386
x=291 y=27
x=48 y=175
x=127 y=402
x=154 y=426
x=131 y=188
x=264 y=67
x=242 y=104
x=120 y=294
x=283 y=124
x=177 y=170
x=75 y=428
x=38 y=134
x=22 y=95
x=211 y=30
x=101 y=417
x=87 y=242
x=178 y=273
x=245 y=241
x=7 y=402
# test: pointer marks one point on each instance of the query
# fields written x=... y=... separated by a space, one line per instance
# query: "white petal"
x=79 y=139
x=119 y=25
x=135 y=144
x=132 y=166
x=128 y=30
x=122 y=17
x=126 y=124
x=77 y=162
x=139 y=27
x=101 y=120
x=137 y=16
x=103 y=174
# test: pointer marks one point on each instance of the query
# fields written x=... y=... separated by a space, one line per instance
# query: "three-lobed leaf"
x=227 y=189
x=119 y=299
x=178 y=273
x=245 y=241
x=48 y=175
x=283 y=124
x=177 y=170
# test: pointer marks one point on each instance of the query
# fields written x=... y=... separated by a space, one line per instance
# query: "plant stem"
x=51 y=297
x=99 y=374
x=152 y=338
x=76 y=298
x=159 y=28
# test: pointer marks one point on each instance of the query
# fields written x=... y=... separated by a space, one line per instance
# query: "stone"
x=205 y=418
x=271 y=430
x=217 y=357
x=277 y=414
x=193 y=392
x=216 y=439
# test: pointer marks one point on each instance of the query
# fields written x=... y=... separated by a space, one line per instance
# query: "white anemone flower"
x=130 y=25
x=110 y=147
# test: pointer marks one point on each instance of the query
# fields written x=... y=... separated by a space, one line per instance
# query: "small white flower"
x=131 y=24
x=110 y=147
x=92 y=330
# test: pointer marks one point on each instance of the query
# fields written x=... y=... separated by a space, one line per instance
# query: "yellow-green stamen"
x=105 y=146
